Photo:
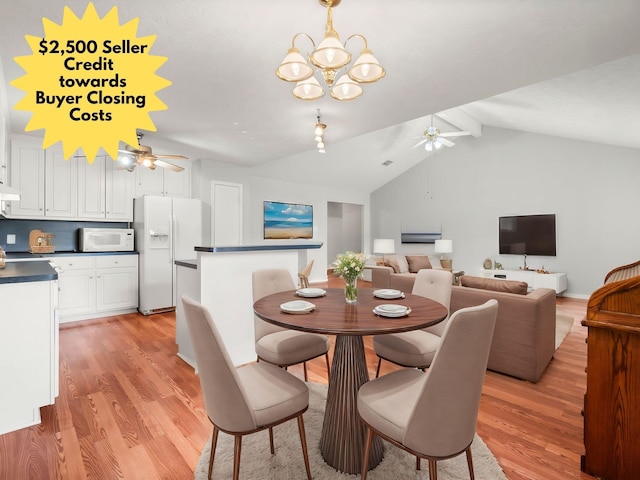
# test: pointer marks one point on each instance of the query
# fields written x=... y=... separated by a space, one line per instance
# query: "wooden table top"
x=333 y=315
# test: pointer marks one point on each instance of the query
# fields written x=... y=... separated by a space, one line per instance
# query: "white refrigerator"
x=166 y=229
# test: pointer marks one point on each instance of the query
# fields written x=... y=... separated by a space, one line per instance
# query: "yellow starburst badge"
x=90 y=82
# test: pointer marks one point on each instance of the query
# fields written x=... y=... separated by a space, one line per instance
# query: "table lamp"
x=383 y=246
x=444 y=247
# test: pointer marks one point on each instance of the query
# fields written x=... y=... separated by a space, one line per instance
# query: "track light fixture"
x=329 y=57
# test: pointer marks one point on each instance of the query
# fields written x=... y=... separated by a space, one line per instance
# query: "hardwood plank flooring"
x=130 y=408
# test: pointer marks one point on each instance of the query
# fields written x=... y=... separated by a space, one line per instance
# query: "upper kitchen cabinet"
x=54 y=188
x=104 y=192
x=47 y=182
x=163 y=181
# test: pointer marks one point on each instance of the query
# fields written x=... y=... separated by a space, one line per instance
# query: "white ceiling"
x=569 y=68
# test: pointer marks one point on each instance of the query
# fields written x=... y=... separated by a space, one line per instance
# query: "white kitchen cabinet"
x=54 y=188
x=91 y=188
x=61 y=185
x=96 y=286
x=163 y=181
x=119 y=192
x=26 y=173
x=29 y=345
x=116 y=282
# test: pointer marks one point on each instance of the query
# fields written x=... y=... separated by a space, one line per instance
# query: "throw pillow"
x=392 y=261
x=418 y=262
x=507 y=286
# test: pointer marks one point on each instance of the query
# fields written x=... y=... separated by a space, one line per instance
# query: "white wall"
x=593 y=189
x=257 y=189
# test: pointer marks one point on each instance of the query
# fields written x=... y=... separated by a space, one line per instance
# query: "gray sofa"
x=524 y=336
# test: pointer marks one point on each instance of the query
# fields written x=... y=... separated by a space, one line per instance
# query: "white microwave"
x=106 y=239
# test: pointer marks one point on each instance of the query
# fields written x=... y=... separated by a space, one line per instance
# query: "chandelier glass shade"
x=318 y=132
x=328 y=58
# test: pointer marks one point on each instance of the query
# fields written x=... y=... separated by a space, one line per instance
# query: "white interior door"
x=226 y=213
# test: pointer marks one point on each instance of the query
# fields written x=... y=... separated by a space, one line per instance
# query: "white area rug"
x=564 y=323
x=287 y=464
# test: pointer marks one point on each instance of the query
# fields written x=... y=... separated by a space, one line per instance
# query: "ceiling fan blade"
x=175 y=157
x=170 y=166
x=445 y=142
x=455 y=134
x=419 y=143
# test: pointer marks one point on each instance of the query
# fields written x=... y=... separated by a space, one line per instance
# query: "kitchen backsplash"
x=66 y=233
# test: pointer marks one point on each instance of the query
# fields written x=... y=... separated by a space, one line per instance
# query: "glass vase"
x=351 y=290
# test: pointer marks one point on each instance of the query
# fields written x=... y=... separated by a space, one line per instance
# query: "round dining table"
x=343 y=434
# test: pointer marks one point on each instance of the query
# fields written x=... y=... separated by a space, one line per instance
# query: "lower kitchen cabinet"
x=96 y=286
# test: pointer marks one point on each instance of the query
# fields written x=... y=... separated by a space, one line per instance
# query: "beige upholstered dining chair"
x=244 y=400
x=417 y=347
x=277 y=345
x=433 y=415
x=303 y=276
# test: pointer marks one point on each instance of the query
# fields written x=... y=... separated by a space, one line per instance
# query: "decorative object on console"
x=329 y=57
x=444 y=247
x=318 y=131
x=487 y=264
x=384 y=246
x=350 y=266
x=40 y=242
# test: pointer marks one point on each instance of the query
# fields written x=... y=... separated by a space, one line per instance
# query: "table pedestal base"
x=343 y=434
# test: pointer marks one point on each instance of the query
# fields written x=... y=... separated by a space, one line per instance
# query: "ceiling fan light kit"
x=143 y=155
x=329 y=57
x=432 y=138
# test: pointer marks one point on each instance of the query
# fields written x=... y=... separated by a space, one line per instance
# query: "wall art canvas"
x=285 y=221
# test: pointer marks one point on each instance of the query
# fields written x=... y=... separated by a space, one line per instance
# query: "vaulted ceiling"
x=568 y=68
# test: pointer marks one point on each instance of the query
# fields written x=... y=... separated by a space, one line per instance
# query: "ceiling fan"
x=432 y=138
x=143 y=155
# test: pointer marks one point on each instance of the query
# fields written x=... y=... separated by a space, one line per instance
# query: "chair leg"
x=214 y=442
x=418 y=463
x=470 y=463
x=271 y=445
x=365 y=456
x=237 y=447
x=303 y=441
x=304 y=367
x=433 y=470
x=378 y=369
x=326 y=357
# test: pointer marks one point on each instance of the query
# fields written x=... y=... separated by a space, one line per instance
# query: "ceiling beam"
x=461 y=120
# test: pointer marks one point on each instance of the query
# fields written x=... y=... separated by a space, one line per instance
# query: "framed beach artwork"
x=285 y=221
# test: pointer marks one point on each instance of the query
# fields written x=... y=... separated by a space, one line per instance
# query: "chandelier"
x=329 y=57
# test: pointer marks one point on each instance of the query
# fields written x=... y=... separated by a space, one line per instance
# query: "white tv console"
x=555 y=281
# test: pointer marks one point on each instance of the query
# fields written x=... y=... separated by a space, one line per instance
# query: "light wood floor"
x=130 y=408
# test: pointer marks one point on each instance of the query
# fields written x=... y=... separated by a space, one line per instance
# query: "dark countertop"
x=187 y=263
x=19 y=272
x=254 y=248
x=31 y=256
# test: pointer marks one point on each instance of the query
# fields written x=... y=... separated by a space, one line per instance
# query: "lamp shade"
x=366 y=69
x=308 y=89
x=444 y=246
x=384 y=245
x=346 y=89
x=294 y=67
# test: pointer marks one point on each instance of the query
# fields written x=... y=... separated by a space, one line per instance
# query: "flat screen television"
x=285 y=221
x=528 y=235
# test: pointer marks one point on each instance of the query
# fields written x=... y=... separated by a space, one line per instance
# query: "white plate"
x=390 y=310
x=388 y=293
x=297 y=306
x=311 y=292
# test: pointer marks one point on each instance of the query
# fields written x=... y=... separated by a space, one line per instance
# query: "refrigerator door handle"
x=172 y=229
